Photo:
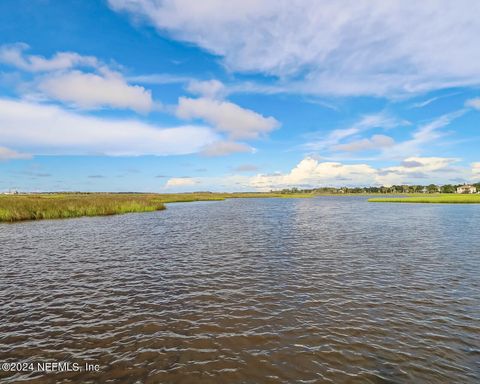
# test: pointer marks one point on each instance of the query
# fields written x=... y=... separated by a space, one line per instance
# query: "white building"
x=466 y=189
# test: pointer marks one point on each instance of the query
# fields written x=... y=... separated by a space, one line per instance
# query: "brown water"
x=323 y=290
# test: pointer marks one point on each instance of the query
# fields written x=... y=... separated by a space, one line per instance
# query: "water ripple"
x=330 y=290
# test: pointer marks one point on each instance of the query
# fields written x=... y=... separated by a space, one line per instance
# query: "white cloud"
x=423 y=135
x=369 y=47
x=14 y=55
x=90 y=90
x=101 y=88
x=222 y=148
x=237 y=122
x=476 y=170
x=375 y=142
x=422 y=164
x=312 y=173
x=421 y=169
x=424 y=103
x=49 y=130
x=211 y=89
x=365 y=123
x=10 y=154
x=473 y=103
x=180 y=182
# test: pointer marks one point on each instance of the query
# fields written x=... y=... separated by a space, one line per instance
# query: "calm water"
x=323 y=290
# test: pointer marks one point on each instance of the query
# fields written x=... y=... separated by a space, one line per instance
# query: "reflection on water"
x=330 y=289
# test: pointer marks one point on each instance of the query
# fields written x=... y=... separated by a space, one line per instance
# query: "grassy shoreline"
x=432 y=199
x=15 y=208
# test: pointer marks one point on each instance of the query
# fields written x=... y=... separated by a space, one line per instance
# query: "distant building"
x=14 y=192
x=466 y=189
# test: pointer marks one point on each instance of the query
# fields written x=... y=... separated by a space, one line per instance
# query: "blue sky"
x=167 y=96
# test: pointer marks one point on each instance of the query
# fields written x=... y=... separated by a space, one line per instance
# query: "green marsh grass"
x=434 y=198
x=60 y=206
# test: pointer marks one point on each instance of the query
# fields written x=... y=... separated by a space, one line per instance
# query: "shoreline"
x=49 y=206
x=32 y=207
x=433 y=199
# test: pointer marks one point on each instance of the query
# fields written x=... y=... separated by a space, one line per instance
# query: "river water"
x=322 y=290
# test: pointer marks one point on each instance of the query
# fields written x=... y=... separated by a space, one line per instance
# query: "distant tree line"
x=431 y=188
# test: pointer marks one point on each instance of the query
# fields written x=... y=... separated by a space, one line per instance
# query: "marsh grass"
x=437 y=198
x=37 y=207
x=60 y=206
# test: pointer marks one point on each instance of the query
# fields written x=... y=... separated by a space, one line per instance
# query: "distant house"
x=466 y=189
x=14 y=192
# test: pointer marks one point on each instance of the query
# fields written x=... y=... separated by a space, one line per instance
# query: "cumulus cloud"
x=10 y=154
x=411 y=164
x=437 y=169
x=48 y=130
x=226 y=117
x=346 y=48
x=375 y=142
x=312 y=173
x=63 y=81
x=14 y=55
x=222 y=148
x=210 y=89
x=180 y=182
x=90 y=90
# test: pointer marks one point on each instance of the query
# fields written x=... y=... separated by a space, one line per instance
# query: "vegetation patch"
x=438 y=198
x=67 y=205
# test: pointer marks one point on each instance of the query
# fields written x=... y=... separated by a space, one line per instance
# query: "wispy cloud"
x=476 y=171
x=375 y=142
x=473 y=103
x=422 y=137
x=160 y=78
x=223 y=148
x=14 y=54
x=246 y=168
x=334 y=138
x=367 y=47
x=10 y=154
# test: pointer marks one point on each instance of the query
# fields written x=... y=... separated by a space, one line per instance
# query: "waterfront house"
x=466 y=189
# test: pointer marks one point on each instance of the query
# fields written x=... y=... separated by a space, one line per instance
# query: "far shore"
x=21 y=207
x=42 y=206
x=443 y=198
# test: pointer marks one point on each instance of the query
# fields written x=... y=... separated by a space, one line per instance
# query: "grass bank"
x=436 y=198
x=60 y=206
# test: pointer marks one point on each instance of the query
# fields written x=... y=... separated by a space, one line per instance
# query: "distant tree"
x=447 y=188
x=416 y=188
x=432 y=188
